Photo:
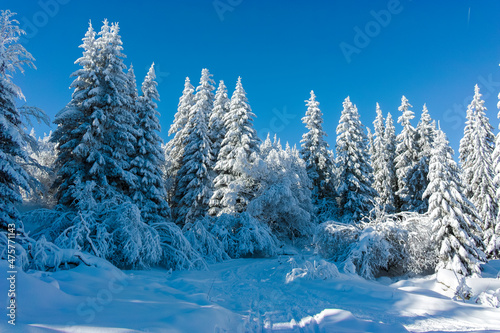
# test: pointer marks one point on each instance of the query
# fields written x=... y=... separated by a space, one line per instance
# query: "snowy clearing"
x=247 y=295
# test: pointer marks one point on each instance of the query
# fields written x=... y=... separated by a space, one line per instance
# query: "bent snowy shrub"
x=315 y=270
x=205 y=243
x=111 y=229
x=334 y=240
x=177 y=251
x=242 y=235
x=389 y=245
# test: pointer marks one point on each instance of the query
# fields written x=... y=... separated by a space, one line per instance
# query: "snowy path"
x=245 y=295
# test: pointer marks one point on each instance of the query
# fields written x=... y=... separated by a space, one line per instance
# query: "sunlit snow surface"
x=244 y=295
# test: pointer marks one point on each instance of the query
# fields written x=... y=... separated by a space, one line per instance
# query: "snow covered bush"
x=393 y=245
x=389 y=245
x=490 y=298
x=40 y=254
x=110 y=229
x=334 y=240
x=315 y=270
x=326 y=210
x=210 y=248
x=284 y=198
x=242 y=235
x=177 y=251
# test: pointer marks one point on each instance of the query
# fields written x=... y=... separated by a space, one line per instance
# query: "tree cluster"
x=110 y=187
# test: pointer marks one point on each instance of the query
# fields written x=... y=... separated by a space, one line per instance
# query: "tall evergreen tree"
x=453 y=215
x=96 y=131
x=216 y=121
x=417 y=176
x=117 y=106
x=174 y=149
x=392 y=182
x=371 y=143
x=315 y=152
x=13 y=56
x=74 y=123
x=233 y=187
x=494 y=247
x=355 y=174
x=466 y=143
x=194 y=179
x=406 y=156
x=478 y=173
x=149 y=192
x=383 y=162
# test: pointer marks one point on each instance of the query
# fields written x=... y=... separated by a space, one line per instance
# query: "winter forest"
x=104 y=189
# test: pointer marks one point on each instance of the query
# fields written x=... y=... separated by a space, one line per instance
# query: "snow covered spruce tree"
x=383 y=162
x=95 y=134
x=406 y=157
x=417 y=176
x=315 y=152
x=371 y=143
x=29 y=253
x=477 y=169
x=233 y=185
x=216 y=121
x=174 y=149
x=149 y=191
x=355 y=174
x=466 y=146
x=452 y=214
x=496 y=181
x=96 y=140
x=194 y=185
x=13 y=56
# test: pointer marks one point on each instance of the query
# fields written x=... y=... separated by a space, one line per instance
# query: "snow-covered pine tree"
x=466 y=144
x=117 y=107
x=74 y=123
x=194 y=186
x=268 y=145
x=391 y=187
x=453 y=215
x=478 y=173
x=216 y=121
x=381 y=183
x=174 y=149
x=132 y=84
x=95 y=132
x=315 y=152
x=233 y=187
x=13 y=56
x=149 y=193
x=496 y=182
x=355 y=174
x=417 y=177
x=371 y=143
x=406 y=156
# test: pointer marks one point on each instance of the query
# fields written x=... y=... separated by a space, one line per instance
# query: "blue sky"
x=431 y=52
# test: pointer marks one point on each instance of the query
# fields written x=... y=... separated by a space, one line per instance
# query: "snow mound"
x=489 y=298
x=335 y=320
x=315 y=270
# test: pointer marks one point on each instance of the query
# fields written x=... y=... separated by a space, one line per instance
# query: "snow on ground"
x=245 y=295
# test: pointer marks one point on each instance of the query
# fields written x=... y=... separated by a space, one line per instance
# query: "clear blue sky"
x=431 y=52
